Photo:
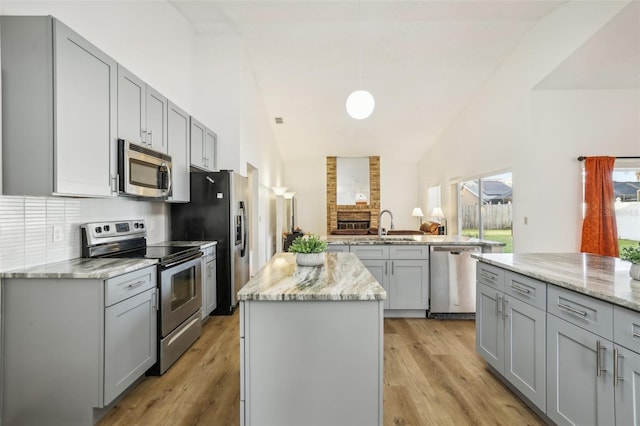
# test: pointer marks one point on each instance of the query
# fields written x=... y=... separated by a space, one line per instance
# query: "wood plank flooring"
x=432 y=376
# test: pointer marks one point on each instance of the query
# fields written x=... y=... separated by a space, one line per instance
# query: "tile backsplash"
x=28 y=224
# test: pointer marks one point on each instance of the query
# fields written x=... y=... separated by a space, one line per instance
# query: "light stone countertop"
x=201 y=244
x=409 y=239
x=605 y=278
x=342 y=277
x=101 y=268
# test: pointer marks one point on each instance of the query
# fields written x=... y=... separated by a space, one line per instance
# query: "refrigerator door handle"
x=243 y=250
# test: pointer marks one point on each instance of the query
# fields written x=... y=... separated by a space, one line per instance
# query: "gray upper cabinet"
x=179 y=131
x=211 y=149
x=59 y=109
x=204 y=145
x=142 y=112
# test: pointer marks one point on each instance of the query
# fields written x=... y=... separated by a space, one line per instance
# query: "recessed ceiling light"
x=279 y=120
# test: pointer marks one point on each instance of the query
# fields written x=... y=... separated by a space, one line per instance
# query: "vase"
x=634 y=271
x=310 y=259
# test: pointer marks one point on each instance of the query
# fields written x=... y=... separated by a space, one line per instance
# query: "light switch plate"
x=57 y=233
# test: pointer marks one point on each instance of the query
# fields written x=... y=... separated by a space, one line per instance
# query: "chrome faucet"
x=380 y=222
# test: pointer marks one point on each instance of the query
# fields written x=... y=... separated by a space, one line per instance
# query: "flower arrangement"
x=631 y=254
x=308 y=244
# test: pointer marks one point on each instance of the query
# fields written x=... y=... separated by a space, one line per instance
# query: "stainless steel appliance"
x=179 y=282
x=453 y=280
x=218 y=211
x=143 y=172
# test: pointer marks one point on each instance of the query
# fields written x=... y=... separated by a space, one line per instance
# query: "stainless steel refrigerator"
x=218 y=211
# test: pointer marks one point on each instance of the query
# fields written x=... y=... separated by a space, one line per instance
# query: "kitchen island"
x=311 y=344
x=563 y=331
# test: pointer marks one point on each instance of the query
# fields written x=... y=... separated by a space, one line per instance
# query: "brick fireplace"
x=353 y=217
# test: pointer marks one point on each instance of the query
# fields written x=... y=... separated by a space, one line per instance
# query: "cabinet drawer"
x=490 y=275
x=337 y=248
x=413 y=251
x=626 y=328
x=527 y=289
x=370 y=251
x=591 y=314
x=127 y=285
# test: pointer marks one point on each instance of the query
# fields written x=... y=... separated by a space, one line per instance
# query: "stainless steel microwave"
x=143 y=172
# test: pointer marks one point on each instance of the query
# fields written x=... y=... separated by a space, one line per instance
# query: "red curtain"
x=599 y=230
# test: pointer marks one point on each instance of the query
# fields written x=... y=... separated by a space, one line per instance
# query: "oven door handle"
x=181 y=261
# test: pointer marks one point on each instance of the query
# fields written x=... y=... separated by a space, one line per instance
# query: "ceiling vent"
x=279 y=120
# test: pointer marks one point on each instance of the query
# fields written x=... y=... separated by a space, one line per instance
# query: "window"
x=626 y=187
x=485 y=209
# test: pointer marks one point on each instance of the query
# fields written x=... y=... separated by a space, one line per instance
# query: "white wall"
x=536 y=135
x=308 y=179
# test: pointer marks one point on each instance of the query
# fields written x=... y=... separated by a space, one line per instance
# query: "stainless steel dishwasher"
x=453 y=280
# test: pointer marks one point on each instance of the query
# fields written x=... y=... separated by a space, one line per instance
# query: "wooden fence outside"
x=494 y=216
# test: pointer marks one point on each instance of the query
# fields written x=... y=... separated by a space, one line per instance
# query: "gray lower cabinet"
x=511 y=329
x=627 y=386
x=209 y=296
x=510 y=336
x=59 y=103
x=178 y=139
x=403 y=271
x=579 y=376
x=338 y=248
x=73 y=345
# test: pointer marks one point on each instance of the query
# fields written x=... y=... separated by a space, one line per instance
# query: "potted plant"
x=309 y=250
x=632 y=254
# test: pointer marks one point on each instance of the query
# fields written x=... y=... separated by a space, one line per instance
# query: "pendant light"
x=360 y=103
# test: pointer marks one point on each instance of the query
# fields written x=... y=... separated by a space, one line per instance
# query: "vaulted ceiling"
x=421 y=60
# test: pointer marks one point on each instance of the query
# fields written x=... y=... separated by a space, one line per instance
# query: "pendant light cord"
x=359 y=47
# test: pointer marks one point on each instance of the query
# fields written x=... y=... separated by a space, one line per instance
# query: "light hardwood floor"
x=432 y=376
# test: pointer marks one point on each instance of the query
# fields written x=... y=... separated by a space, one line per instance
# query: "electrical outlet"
x=57 y=233
x=526 y=220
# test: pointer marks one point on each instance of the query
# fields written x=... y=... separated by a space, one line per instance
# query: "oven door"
x=180 y=293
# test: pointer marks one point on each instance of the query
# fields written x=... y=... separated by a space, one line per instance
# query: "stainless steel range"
x=179 y=282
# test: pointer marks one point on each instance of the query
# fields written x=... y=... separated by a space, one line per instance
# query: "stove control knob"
x=142 y=226
x=135 y=225
x=98 y=230
x=106 y=228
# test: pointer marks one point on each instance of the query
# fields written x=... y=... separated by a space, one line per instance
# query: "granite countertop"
x=342 y=277
x=102 y=268
x=410 y=239
x=201 y=244
x=603 y=277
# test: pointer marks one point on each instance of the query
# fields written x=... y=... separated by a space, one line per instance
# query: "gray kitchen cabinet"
x=579 y=375
x=130 y=342
x=404 y=270
x=211 y=149
x=78 y=351
x=178 y=139
x=380 y=270
x=209 y=289
x=510 y=332
x=203 y=146
x=142 y=112
x=626 y=395
x=59 y=111
x=338 y=248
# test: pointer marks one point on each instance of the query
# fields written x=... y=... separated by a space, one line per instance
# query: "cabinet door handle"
x=572 y=309
x=488 y=275
x=386 y=268
x=393 y=267
x=155 y=300
x=136 y=284
x=498 y=304
x=616 y=368
x=520 y=289
x=504 y=307
x=150 y=133
x=636 y=335
x=599 y=357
